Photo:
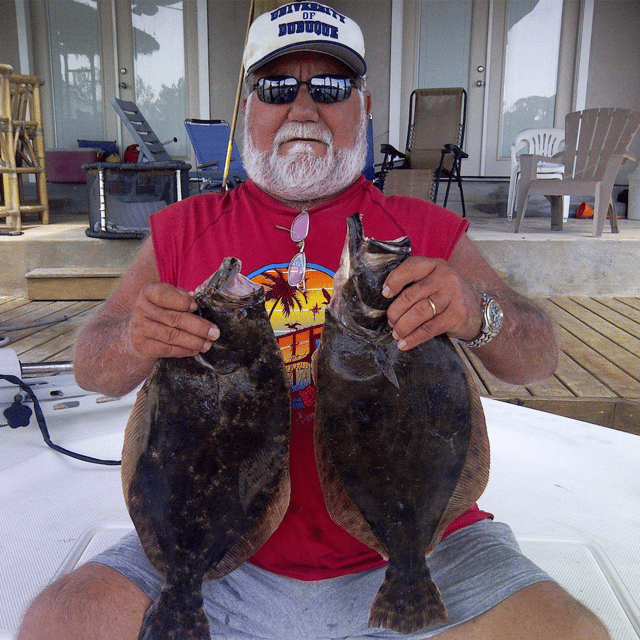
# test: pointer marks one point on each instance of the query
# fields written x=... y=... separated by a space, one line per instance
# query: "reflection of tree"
x=150 y=7
x=160 y=109
x=74 y=40
x=527 y=113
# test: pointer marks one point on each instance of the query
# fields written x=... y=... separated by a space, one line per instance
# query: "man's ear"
x=244 y=105
x=367 y=101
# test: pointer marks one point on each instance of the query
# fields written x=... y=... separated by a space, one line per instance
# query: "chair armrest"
x=532 y=160
x=392 y=158
x=206 y=165
x=455 y=149
x=528 y=166
x=390 y=150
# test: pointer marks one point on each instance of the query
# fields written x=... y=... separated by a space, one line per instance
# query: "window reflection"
x=76 y=71
x=158 y=45
x=531 y=67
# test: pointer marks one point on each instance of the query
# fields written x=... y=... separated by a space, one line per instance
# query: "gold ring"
x=433 y=306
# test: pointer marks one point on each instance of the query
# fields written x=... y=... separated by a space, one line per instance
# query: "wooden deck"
x=597 y=380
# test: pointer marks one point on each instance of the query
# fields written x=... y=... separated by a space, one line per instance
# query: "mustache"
x=304 y=130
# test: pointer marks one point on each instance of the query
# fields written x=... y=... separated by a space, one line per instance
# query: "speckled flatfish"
x=205 y=462
x=401 y=442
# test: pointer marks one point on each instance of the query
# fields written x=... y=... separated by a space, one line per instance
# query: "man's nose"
x=304 y=108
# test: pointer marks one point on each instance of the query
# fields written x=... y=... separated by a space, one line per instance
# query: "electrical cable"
x=43 y=425
x=4 y=340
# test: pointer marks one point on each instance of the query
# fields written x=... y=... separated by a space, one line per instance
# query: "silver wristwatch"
x=492 y=318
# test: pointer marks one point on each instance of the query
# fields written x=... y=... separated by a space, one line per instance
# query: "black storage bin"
x=122 y=195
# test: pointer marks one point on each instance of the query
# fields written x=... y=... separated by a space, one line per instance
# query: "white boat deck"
x=570 y=490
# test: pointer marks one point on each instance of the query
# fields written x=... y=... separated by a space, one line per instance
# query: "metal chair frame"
x=436 y=143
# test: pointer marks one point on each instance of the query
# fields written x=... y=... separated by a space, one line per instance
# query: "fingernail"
x=193 y=306
x=206 y=346
x=386 y=292
x=214 y=333
x=402 y=345
x=395 y=336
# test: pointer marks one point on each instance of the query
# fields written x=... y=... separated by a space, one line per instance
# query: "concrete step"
x=72 y=283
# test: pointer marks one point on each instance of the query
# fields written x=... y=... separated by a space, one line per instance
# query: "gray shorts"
x=475 y=568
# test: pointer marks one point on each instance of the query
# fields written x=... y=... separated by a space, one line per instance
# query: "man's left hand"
x=433 y=298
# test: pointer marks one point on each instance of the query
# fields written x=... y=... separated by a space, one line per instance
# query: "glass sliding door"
x=76 y=71
x=530 y=79
x=158 y=48
x=444 y=45
x=508 y=54
x=134 y=50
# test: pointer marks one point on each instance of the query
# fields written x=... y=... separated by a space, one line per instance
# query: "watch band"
x=491 y=323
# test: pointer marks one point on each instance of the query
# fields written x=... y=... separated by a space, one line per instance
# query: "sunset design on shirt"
x=297 y=318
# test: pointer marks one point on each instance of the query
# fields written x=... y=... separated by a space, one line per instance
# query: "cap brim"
x=335 y=50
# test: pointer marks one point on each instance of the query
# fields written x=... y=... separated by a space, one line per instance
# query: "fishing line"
x=42 y=423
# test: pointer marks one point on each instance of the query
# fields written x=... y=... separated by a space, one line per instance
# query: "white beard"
x=300 y=175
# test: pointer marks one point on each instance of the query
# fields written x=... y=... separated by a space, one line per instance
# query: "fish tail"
x=407 y=603
x=176 y=615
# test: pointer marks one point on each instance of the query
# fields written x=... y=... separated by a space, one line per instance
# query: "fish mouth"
x=365 y=264
x=227 y=283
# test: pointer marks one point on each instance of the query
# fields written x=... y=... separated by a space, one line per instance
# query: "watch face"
x=494 y=315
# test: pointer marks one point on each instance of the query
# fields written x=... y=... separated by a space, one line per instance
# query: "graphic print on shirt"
x=297 y=318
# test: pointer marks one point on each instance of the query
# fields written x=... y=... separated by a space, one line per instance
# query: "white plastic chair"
x=596 y=144
x=540 y=142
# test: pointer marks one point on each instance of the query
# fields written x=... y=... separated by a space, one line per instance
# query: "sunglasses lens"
x=284 y=89
x=296 y=270
x=277 y=90
x=329 y=89
x=300 y=227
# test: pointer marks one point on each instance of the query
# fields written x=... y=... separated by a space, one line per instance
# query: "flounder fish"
x=401 y=441
x=205 y=462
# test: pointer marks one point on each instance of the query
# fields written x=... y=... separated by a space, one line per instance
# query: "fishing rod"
x=234 y=120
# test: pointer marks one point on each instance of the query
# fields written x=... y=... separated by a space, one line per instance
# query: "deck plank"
x=579 y=382
x=7 y=303
x=597 y=378
x=601 y=368
x=611 y=342
x=634 y=303
x=617 y=324
x=41 y=345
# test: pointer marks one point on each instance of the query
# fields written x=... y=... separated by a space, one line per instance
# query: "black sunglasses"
x=284 y=89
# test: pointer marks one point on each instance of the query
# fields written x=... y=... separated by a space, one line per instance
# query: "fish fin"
x=259 y=532
x=135 y=436
x=384 y=364
x=407 y=604
x=339 y=505
x=222 y=367
x=474 y=475
x=135 y=444
x=200 y=360
x=176 y=615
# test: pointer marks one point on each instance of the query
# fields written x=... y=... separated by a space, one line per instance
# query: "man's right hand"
x=163 y=324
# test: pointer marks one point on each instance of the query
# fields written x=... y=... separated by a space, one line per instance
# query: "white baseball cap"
x=304 y=26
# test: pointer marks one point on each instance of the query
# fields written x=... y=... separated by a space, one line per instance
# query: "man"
x=305 y=110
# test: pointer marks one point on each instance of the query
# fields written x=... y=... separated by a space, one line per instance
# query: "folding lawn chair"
x=210 y=139
x=435 y=139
